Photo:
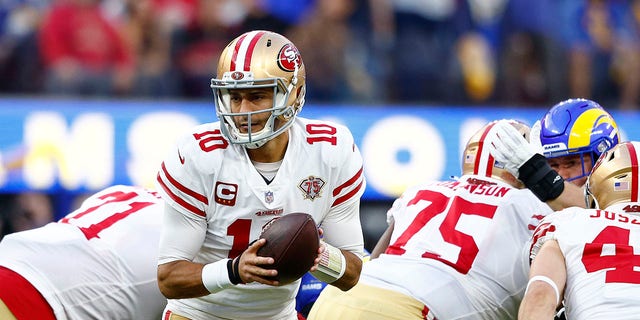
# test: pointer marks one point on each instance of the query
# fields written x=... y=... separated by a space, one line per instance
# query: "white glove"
x=508 y=146
x=520 y=158
x=534 y=138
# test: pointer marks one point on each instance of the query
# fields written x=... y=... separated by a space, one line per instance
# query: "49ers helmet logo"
x=237 y=75
x=289 y=57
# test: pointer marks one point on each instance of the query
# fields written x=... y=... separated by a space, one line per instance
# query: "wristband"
x=332 y=265
x=540 y=178
x=233 y=268
x=215 y=276
x=548 y=281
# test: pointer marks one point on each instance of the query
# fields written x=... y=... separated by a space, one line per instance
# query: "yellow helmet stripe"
x=581 y=131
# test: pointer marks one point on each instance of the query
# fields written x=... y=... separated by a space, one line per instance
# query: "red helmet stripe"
x=243 y=50
x=252 y=45
x=488 y=166
x=634 y=171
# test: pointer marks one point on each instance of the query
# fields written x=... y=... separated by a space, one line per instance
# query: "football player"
x=224 y=180
x=572 y=134
x=454 y=249
x=587 y=257
x=98 y=262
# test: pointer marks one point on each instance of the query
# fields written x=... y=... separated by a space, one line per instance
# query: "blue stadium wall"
x=84 y=145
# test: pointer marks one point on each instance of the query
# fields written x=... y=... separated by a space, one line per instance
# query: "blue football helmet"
x=308 y=293
x=578 y=126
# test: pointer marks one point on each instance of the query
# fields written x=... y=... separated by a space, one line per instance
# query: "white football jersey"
x=214 y=182
x=459 y=247
x=98 y=262
x=600 y=249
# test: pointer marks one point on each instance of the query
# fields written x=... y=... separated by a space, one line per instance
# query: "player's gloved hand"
x=534 y=138
x=509 y=147
x=521 y=159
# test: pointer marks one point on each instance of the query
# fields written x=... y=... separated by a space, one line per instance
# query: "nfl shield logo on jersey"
x=268 y=197
x=311 y=187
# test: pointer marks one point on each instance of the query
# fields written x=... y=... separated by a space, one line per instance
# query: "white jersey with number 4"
x=602 y=256
x=214 y=183
x=98 y=262
x=459 y=247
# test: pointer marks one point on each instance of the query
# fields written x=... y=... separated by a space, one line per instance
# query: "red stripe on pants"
x=22 y=298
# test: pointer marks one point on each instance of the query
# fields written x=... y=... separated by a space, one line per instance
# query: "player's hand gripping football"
x=251 y=266
x=330 y=264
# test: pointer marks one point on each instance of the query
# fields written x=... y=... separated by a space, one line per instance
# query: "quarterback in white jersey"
x=455 y=249
x=98 y=262
x=225 y=180
x=588 y=256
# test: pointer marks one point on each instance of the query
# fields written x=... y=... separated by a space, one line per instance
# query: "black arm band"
x=236 y=269
x=232 y=271
x=540 y=178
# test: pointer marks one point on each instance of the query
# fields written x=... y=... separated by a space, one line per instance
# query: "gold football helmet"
x=614 y=177
x=476 y=158
x=259 y=59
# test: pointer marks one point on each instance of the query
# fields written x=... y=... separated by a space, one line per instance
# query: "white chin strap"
x=257 y=144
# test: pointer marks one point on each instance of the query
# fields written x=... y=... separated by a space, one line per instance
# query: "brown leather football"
x=292 y=241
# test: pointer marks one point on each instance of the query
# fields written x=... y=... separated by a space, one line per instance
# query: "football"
x=292 y=241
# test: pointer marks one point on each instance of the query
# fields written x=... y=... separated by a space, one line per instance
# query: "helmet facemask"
x=590 y=200
x=280 y=109
x=593 y=151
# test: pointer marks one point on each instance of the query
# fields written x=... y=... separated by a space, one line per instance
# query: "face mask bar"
x=221 y=89
x=589 y=200
x=585 y=172
x=583 y=152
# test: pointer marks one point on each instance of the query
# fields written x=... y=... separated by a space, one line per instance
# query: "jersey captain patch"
x=226 y=193
x=311 y=187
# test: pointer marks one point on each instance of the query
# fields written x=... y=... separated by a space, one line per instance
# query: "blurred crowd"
x=515 y=52
x=374 y=52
